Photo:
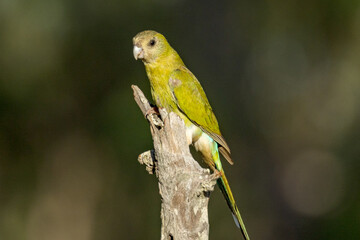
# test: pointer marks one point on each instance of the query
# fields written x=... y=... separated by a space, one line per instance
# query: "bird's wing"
x=192 y=101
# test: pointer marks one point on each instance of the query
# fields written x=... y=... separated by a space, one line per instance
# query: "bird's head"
x=149 y=46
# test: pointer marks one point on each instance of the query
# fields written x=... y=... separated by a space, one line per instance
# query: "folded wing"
x=192 y=101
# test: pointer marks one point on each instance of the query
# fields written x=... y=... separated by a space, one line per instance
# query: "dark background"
x=282 y=76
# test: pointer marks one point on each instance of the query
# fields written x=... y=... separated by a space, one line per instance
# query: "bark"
x=184 y=185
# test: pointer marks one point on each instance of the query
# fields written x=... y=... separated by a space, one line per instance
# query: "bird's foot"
x=152 y=110
x=154 y=116
x=216 y=174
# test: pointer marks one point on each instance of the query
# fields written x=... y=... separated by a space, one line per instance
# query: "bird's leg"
x=153 y=115
x=216 y=174
x=153 y=110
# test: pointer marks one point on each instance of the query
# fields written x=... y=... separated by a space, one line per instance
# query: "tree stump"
x=184 y=185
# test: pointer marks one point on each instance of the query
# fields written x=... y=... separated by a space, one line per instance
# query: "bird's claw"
x=153 y=115
x=152 y=110
x=216 y=174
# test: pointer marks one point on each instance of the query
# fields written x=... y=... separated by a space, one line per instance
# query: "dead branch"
x=184 y=185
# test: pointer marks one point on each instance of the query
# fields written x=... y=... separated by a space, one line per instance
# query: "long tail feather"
x=209 y=149
x=225 y=189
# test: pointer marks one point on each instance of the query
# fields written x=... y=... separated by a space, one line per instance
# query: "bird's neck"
x=158 y=73
x=163 y=66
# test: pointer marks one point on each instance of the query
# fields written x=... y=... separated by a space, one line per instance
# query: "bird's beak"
x=138 y=52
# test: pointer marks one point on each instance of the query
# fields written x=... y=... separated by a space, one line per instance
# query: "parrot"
x=175 y=88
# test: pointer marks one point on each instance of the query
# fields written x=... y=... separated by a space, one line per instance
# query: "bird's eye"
x=152 y=42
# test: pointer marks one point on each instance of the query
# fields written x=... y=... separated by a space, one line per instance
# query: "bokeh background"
x=282 y=76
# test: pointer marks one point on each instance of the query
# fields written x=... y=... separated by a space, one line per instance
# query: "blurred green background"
x=282 y=76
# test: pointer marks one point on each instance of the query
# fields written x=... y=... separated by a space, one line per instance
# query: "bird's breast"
x=160 y=89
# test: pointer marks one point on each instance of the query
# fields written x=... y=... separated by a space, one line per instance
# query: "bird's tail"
x=225 y=189
x=209 y=149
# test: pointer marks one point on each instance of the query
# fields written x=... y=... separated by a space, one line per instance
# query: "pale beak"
x=138 y=53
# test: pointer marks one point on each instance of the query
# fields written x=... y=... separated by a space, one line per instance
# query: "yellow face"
x=149 y=45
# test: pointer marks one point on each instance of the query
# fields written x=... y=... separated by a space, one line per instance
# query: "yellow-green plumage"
x=175 y=88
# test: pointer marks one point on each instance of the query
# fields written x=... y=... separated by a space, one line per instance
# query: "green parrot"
x=176 y=89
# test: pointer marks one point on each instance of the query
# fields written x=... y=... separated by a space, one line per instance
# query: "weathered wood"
x=184 y=185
